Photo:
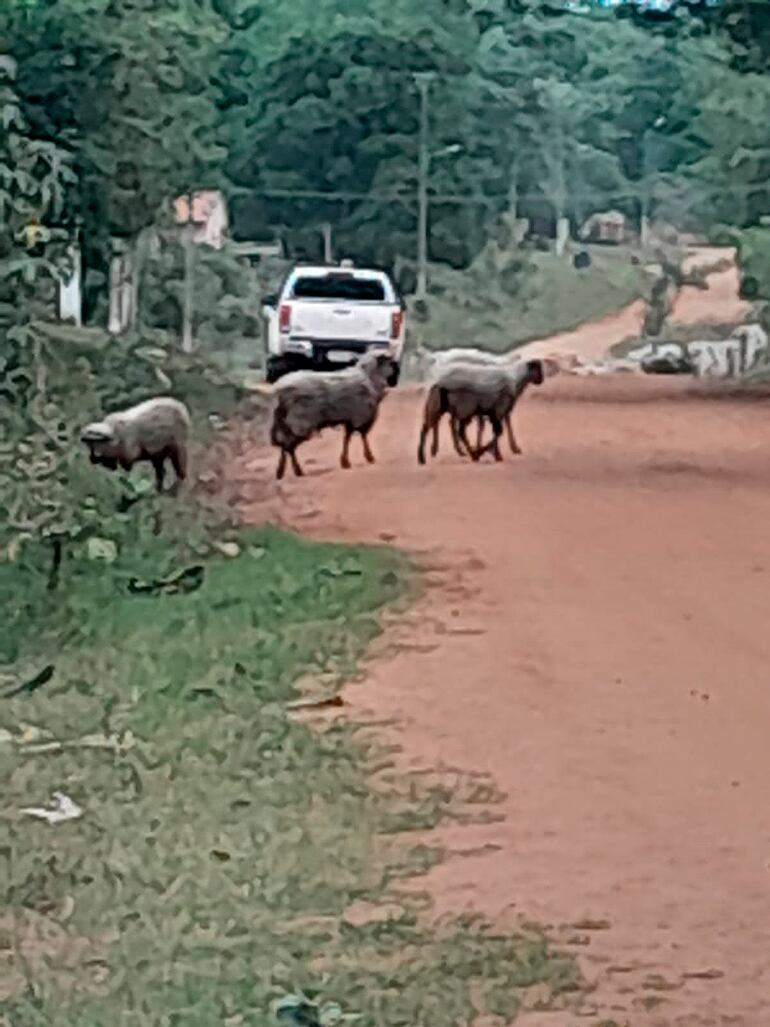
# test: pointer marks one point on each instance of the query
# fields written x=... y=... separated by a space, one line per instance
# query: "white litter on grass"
x=62 y=808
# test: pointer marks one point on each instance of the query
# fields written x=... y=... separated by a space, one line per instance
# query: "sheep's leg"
x=515 y=448
x=479 y=430
x=434 y=447
x=368 y=455
x=474 y=453
x=345 y=458
x=421 y=445
x=281 y=469
x=295 y=463
x=493 y=445
x=497 y=428
x=159 y=466
x=431 y=416
x=178 y=459
x=458 y=434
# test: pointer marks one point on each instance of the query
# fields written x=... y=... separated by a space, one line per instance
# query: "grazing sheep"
x=444 y=359
x=309 y=401
x=465 y=391
x=152 y=431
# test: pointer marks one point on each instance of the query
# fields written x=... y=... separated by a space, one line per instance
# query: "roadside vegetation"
x=150 y=650
x=222 y=840
x=506 y=299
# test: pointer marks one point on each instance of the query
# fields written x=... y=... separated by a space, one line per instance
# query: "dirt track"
x=720 y=303
x=595 y=638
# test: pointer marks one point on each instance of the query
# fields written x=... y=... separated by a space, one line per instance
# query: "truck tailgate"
x=334 y=320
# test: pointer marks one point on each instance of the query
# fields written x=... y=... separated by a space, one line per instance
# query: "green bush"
x=226 y=308
x=723 y=235
x=753 y=249
x=54 y=381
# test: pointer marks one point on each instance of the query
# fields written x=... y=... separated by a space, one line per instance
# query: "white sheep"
x=471 y=355
x=152 y=431
x=309 y=401
x=465 y=391
x=443 y=359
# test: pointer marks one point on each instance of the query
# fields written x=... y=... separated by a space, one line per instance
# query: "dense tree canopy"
x=307 y=113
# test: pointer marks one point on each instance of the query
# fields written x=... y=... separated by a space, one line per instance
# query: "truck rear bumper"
x=301 y=355
x=327 y=354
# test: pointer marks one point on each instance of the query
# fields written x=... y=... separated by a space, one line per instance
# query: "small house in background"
x=209 y=215
x=608 y=226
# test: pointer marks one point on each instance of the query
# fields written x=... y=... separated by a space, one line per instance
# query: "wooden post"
x=70 y=293
x=422 y=192
x=121 y=313
x=189 y=273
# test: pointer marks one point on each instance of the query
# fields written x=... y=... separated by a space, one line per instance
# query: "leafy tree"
x=34 y=177
x=731 y=126
x=128 y=87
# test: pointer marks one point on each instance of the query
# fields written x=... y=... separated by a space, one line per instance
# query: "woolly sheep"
x=437 y=363
x=465 y=391
x=443 y=359
x=309 y=401
x=471 y=355
x=152 y=431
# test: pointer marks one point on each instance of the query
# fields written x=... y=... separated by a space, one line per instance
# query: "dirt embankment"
x=719 y=304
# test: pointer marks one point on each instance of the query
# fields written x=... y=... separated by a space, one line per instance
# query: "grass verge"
x=221 y=840
x=548 y=295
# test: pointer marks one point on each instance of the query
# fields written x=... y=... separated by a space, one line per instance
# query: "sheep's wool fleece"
x=150 y=425
x=312 y=400
x=481 y=379
x=469 y=355
x=163 y=407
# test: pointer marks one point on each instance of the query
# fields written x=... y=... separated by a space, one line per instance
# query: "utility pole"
x=189 y=271
x=648 y=179
x=326 y=229
x=423 y=82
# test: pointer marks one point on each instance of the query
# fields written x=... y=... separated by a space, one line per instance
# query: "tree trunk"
x=189 y=285
x=327 y=234
x=54 y=573
x=562 y=233
x=644 y=229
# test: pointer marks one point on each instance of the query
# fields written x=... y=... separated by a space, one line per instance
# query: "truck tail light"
x=396 y=319
x=284 y=317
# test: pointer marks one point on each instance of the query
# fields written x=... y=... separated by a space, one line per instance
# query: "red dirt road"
x=720 y=303
x=614 y=677
x=594 y=636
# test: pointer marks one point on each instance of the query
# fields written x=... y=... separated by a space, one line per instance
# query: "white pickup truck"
x=326 y=316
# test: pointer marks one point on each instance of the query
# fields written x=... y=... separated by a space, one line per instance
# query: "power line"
x=341 y=196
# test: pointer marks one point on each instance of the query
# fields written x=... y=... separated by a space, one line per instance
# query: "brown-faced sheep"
x=309 y=401
x=153 y=431
x=468 y=391
x=442 y=360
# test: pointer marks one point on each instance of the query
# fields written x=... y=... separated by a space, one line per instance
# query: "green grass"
x=753 y=247
x=222 y=840
x=472 y=308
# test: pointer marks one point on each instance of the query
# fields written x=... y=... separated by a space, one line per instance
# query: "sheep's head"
x=535 y=372
x=380 y=364
x=102 y=442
